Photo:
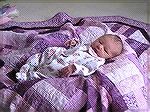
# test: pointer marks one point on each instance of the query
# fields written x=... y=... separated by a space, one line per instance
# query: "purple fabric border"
x=60 y=15
x=122 y=19
x=61 y=18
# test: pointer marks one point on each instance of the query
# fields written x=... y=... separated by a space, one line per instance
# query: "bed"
x=117 y=86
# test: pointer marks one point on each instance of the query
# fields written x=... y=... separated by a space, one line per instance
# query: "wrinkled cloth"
x=54 y=59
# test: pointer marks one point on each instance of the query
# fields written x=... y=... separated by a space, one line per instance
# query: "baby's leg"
x=27 y=71
x=38 y=64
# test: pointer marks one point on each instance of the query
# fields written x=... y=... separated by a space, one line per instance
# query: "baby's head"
x=107 y=46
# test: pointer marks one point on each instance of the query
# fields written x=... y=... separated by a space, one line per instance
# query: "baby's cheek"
x=104 y=55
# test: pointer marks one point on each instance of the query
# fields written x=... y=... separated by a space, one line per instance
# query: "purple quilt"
x=117 y=86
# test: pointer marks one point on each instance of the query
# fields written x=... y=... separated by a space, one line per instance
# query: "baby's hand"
x=67 y=71
x=72 y=42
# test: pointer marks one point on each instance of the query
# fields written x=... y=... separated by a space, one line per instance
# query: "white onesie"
x=53 y=59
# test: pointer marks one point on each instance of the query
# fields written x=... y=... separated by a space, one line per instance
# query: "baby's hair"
x=117 y=39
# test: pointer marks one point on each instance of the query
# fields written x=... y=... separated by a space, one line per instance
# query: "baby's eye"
x=100 y=42
x=105 y=50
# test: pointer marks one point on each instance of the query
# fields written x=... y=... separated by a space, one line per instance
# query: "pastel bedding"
x=117 y=86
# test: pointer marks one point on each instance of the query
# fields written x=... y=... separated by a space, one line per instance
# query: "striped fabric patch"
x=137 y=46
x=129 y=32
x=116 y=27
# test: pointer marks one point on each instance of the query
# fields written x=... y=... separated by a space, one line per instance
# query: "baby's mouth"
x=94 y=50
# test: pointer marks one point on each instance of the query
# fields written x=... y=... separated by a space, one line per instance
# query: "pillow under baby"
x=91 y=33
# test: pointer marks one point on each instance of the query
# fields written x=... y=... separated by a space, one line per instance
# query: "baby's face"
x=106 y=47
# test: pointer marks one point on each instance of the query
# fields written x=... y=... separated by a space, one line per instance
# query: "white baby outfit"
x=53 y=59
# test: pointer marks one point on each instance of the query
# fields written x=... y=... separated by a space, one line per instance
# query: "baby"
x=85 y=60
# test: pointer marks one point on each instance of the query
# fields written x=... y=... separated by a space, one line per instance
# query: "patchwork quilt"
x=117 y=86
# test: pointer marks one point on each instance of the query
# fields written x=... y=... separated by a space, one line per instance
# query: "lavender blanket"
x=118 y=86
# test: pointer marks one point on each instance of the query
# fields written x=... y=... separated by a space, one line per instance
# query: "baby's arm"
x=88 y=66
x=67 y=71
x=85 y=69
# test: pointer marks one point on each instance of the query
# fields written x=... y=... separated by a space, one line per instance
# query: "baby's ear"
x=109 y=60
